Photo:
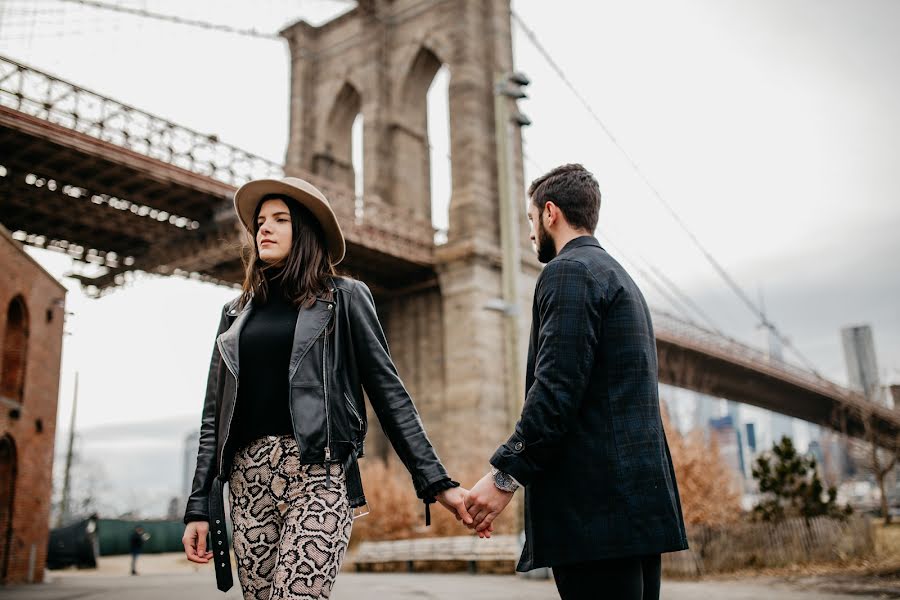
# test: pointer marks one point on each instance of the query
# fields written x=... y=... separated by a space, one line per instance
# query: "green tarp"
x=114 y=534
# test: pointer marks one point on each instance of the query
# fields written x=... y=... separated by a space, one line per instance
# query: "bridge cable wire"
x=139 y=12
x=730 y=282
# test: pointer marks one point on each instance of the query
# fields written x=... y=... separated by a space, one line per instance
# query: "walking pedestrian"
x=284 y=418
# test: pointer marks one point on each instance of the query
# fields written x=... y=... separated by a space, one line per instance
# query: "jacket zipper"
x=354 y=411
x=327 y=421
x=233 y=405
x=291 y=406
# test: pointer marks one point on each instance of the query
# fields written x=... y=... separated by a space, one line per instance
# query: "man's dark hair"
x=574 y=190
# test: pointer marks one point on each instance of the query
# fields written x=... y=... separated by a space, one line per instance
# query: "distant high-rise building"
x=745 y=455
x=751 y=438
x=815 y=450
x=862 y=366
x=728 y=439
x=191 y=444
x=781 y=426
x=704 y=410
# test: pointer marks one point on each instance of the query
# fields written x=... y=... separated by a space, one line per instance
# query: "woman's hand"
x=454 y=500
x=194 y=541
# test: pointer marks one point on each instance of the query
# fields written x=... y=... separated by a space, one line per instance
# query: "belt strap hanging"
x=219 y=536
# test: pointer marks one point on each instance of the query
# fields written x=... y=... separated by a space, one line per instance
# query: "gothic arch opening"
x=424 y=97
x=15 y=351
x=440 y=162
x=335 y=160
x=357 y=154
x=8 y=469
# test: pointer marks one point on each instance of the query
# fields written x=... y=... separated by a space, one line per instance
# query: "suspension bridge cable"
x=139 y=12
x=730 y=282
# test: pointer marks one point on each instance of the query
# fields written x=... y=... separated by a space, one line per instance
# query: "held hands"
x=194 y=541
x=454 y=500
x=485 y=502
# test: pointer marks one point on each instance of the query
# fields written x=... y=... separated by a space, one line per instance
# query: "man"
x=136 y=545
x=601 y=502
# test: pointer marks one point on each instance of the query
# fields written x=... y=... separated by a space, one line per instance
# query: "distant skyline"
x=771 y=127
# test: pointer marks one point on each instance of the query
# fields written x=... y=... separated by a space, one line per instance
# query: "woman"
x=284 y=419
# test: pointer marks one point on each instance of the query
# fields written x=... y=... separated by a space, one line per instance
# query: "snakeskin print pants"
x=290 y=530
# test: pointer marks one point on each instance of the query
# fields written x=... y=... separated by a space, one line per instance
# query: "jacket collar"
x=311 y=321
x=581 y=241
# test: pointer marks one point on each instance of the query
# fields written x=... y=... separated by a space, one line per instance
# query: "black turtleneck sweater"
x=263 y=401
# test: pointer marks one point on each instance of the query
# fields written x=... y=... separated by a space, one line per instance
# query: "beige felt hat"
x=248 y=196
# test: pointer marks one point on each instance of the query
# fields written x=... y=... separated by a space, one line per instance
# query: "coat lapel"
x=310 y=323
x=229 y=339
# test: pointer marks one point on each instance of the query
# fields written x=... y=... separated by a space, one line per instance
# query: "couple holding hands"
x=284 y=420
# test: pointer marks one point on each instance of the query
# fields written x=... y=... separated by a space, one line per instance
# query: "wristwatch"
x=503 y=481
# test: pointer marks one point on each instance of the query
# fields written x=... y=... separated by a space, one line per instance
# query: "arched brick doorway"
x=7 y=495
x=15 y=351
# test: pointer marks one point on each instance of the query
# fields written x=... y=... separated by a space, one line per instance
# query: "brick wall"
x=30 y=374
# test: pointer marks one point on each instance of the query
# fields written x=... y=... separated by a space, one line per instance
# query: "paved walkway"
x=172 y=578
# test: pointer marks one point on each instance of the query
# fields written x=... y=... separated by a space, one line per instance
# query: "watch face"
x=504 y=482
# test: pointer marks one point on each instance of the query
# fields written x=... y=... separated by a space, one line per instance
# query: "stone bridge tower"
x=379 y=60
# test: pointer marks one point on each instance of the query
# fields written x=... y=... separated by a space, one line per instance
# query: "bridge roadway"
x=123 y=189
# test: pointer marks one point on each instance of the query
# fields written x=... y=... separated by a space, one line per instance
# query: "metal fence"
x=748 y=545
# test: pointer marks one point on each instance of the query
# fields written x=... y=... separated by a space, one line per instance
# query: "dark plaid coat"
x=590 y=447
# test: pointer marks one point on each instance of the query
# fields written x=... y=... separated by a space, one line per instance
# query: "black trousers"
x=634 y=578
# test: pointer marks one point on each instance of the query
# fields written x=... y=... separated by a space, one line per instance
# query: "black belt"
x=354 y=480
x=219 y=536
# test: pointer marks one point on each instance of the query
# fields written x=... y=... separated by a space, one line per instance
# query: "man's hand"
x=454 y=500
x=194 y=541
x=485 y=502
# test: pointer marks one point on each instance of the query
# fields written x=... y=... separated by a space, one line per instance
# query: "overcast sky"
x=770 y=126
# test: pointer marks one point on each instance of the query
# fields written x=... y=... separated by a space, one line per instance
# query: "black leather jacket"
x=339 y=348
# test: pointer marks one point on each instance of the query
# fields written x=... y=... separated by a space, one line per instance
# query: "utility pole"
x=64 y=508
x=508 y=88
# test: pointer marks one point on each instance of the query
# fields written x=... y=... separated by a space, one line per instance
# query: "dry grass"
x=883 y=563
x=709 y=495
x=396 y=513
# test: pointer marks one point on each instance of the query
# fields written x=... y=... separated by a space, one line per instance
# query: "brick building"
x=31 y=330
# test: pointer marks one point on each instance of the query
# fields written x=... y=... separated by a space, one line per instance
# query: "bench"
x=469 y=548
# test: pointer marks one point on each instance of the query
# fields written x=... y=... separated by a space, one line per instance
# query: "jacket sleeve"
x=198 y=502
x=390 y=400
x=568 y=304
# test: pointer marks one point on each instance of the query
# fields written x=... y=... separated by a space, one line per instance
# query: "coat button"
x=330 y=306
x=518 y=446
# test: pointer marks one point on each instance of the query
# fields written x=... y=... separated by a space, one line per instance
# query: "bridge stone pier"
x=379 y=61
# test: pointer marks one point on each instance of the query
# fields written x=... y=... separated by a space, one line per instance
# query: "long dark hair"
x=306 y=269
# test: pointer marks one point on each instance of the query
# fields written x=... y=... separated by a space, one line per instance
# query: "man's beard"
x=546 y=248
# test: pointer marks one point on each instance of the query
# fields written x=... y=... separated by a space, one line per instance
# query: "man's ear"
x=550 y=214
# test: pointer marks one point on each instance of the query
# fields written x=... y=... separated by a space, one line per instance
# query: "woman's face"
x=274 y=236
